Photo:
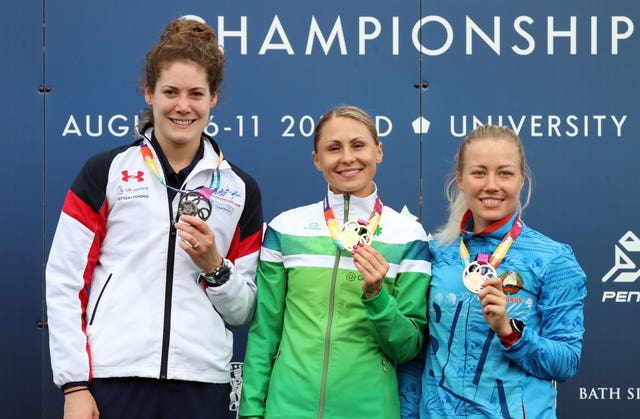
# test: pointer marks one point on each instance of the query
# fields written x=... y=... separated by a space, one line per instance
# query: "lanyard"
x=502 y=249
x=206 y=192
x=334 y=229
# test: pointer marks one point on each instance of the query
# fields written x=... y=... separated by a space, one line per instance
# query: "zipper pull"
x=345 y=218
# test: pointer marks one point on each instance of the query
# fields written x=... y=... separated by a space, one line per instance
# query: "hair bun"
x=193 y=17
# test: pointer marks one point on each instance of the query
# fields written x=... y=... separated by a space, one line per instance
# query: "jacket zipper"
x=332 y=295
x=168 y=295
x=386 y=391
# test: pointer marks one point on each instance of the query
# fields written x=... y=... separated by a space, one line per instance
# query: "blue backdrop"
x=559 y=73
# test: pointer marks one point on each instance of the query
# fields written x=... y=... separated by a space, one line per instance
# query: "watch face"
x=222 y=272
x=217 y=278
x=517 y=325
x=220 y=276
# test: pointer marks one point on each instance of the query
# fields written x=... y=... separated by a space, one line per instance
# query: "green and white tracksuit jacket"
x=317 y=348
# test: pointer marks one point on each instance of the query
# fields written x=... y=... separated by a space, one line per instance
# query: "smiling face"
x=347 y=156
x=181 y=103
x=491 y=178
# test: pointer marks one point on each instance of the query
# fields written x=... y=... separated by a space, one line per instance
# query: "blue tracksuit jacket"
x=464 y=370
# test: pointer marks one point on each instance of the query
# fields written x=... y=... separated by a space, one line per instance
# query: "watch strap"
x=509 y=340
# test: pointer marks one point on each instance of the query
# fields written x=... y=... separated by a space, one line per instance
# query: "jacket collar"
x=207 y=157
x=358 y=207
x=496 y=229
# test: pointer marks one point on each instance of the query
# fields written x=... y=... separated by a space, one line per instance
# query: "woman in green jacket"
x=341 y=291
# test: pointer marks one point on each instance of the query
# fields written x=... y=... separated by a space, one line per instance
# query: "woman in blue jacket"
x=505 y=303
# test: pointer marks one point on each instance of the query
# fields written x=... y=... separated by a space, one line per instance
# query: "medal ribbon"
x=206 y=192
x=502 y=249
x=334 y=228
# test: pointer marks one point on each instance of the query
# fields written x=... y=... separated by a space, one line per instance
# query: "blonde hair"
x=346 y=111
x=448 y=233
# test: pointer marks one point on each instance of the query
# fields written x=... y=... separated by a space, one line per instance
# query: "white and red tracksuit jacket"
x=121 y=295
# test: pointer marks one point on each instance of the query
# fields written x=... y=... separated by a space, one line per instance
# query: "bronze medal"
x=476 y=274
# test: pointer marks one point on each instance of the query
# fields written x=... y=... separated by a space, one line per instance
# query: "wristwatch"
x=218 y=277
x=517 y=326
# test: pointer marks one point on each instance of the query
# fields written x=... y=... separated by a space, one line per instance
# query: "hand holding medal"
x=347 y=150
x=373 y=268
x=494 y=306
x=197 y=239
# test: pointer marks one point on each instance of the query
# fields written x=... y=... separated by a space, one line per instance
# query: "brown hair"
x=183 y=39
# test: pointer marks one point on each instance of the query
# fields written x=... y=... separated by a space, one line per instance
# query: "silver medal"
x=193 y=203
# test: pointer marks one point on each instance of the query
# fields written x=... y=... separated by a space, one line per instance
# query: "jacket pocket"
x=95 y=308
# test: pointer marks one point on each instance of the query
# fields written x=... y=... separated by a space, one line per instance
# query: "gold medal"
x=353 y=233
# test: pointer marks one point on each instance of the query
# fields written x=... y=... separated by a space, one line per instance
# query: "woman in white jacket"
x=155 y=253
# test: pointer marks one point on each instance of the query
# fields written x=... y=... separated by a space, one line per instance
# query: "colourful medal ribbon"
x=206 y=192
x=334 y=228
x=502 y=249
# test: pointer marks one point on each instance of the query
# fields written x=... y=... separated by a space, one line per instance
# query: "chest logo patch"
x=512 y=282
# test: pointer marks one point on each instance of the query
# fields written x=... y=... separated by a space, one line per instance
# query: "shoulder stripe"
x=81 y=211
